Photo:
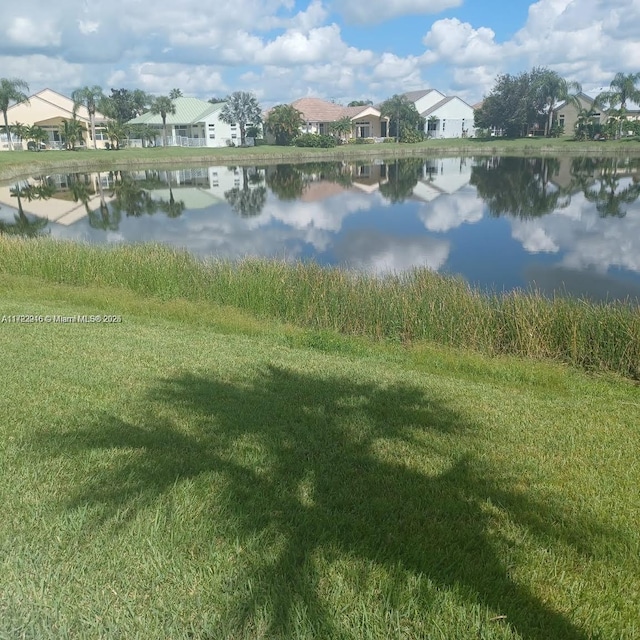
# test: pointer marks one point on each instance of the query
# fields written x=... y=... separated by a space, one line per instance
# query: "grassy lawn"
x=19 y=163
x=192 y=472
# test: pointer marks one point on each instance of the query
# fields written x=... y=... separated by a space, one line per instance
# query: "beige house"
x=319 y=115
x=47 y=109
x=566 y=113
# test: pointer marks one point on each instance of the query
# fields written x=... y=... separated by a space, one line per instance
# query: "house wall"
x=47 y=105
x=325 y=127
x=212 y=130
x=426 y=102
x=568 y=115
x=454 y=118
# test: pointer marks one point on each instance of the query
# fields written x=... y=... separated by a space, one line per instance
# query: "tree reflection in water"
x=519 y=187
x=248 y=200
x=23 y=225
x=532 y=187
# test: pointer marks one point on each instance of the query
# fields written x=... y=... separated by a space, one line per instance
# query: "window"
x=444 y=124
x=212 y=130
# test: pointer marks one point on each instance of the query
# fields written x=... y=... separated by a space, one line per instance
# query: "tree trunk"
x=6 y=128
x=92 y=119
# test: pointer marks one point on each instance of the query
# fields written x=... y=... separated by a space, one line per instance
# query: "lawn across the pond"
x=25 y=163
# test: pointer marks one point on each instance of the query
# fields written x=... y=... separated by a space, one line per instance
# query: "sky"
x=339 y=50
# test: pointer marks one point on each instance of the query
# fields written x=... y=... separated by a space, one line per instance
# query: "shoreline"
x=23 y=164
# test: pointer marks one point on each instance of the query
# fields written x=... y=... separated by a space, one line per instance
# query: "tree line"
x=284 y=122
x=521 y=104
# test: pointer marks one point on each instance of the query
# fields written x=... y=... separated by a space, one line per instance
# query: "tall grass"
x=419 y=305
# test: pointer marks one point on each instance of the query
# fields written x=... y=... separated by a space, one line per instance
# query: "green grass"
x=421 y=305
x=193 y=472
x=20 y=163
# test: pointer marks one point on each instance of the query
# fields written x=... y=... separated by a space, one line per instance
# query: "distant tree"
x=37 y=135
x=71 y=133
x=284 y=122
x=241 y=107
x=175 y=93
x=586 y=126
x=622 y=89
x=513 y=105
x=116 y=132
x=360 y=103
x=402 y=113
x=342 y=128
x=124 y=105
x=216 y=100
x=144 y=132
x=140 y=101
x=88 y=97
x=19 y=130
x=163 y=105
x=12 y=90
x=553 y=89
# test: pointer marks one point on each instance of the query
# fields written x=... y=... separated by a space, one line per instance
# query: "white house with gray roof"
x=195 y=123
x=446 y=116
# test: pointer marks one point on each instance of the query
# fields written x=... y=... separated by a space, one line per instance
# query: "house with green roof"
x=195 y=123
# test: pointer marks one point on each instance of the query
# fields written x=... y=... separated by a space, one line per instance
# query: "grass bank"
x=193 y=473
x=23 y=163
x=420 y=305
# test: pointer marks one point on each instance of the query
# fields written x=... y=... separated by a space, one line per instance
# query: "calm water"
x=563 y=224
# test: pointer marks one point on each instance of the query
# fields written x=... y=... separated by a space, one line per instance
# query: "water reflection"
x=501 y=222
x=23 y=225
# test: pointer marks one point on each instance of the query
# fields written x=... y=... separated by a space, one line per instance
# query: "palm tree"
x=12 y=90
x=402 y=114
x=88 y=97
x=71 y=132
x=241 y=107
x=116 y=131
x=553 y=89
x=584 y=127
x=284 y=122
x=36 y=134
x=175 y=93
x=163 y=105
x=621 y=90
x=342 y=128
x=20 y=130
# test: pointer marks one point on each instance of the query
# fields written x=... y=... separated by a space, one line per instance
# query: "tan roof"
x=317 y=110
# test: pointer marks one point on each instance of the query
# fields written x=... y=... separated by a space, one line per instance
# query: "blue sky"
x=334 y=49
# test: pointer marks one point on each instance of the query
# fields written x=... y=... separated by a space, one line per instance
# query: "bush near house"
x=315 y=140
x=410 y=135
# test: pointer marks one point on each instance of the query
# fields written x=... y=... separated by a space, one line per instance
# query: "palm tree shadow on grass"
x=325 y=434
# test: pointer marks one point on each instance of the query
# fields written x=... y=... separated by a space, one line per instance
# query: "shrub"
x=410 y=136
x=315 y=140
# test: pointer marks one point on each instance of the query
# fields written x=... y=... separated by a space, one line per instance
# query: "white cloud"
x=446 y=213
x=39 y=34
x=380 y=254
x=458 y=42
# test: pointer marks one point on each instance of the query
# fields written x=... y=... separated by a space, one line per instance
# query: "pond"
x=562 y=225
